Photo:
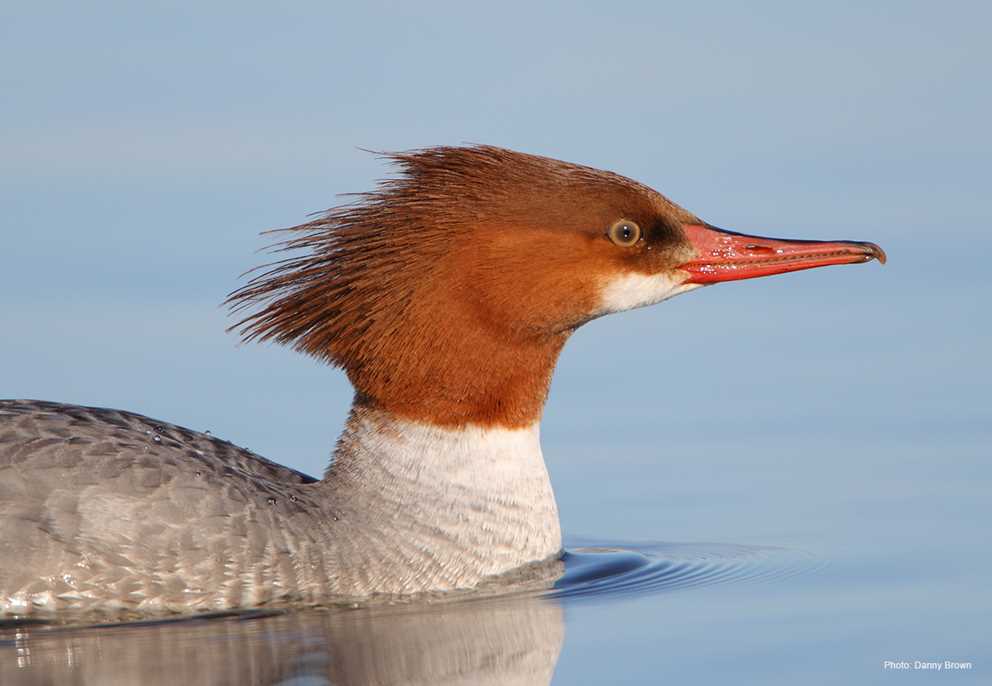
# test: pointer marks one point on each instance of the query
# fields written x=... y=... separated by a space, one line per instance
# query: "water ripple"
x=601 y=571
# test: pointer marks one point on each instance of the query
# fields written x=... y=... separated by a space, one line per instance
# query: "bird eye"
x=624 y=233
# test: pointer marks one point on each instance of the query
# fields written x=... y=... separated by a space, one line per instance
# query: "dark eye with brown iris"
x=624 y=233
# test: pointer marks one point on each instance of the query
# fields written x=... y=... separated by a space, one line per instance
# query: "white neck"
x=424 y=508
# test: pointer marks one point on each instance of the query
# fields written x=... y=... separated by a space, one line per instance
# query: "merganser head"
x=448 y=292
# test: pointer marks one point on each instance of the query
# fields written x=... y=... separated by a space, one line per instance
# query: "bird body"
x=110 y=511
x=446 y=296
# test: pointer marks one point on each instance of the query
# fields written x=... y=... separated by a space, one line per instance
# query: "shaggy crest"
x=348 y=292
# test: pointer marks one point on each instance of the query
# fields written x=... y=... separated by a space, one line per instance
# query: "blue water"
x=902 y=555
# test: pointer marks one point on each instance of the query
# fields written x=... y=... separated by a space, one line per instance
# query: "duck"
x=445 y=294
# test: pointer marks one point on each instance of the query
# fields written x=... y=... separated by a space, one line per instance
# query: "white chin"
x=634 y=290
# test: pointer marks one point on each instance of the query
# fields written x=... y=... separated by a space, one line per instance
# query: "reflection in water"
x=505 y=639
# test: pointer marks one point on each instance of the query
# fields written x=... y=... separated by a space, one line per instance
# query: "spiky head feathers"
x=472 y=259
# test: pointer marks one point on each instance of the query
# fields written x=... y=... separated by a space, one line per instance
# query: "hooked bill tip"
x=875 y=251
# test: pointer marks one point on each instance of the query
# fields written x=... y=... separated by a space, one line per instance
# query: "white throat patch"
x=635 y=290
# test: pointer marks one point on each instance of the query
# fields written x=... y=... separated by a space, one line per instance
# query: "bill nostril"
x=760 y=249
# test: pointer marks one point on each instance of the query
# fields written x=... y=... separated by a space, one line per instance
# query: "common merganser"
x=445 y=295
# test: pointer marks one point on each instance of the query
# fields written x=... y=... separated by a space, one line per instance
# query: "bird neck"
x=444 y=507
x=453 y=362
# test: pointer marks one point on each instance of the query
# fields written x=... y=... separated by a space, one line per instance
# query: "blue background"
x=842 y=411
